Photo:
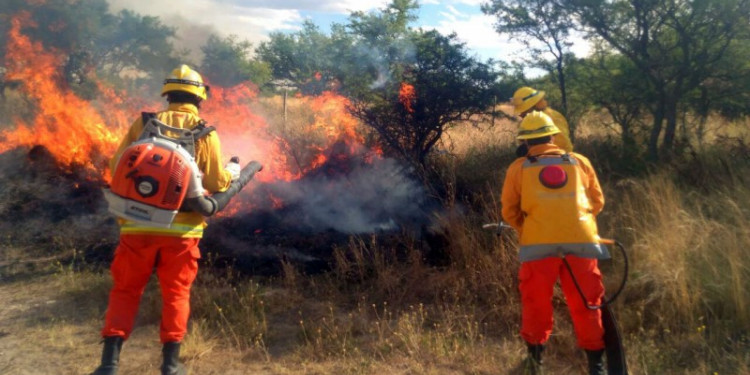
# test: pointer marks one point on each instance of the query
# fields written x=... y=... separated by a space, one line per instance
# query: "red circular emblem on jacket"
x=553 y=176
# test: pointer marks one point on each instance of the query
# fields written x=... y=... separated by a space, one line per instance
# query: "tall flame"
x=75 y=131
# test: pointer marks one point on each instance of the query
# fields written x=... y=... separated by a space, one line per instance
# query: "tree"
x=448 y=87
x=727 y=91
x=304 y=58
x=533 y=22
x=227 y=62
x=610 y=81
x=411 y=85
x=675 y=44
x=134 y=43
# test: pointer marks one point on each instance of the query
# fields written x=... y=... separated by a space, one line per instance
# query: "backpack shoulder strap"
x=150 y=125
x=202 y=129
x=146 y=116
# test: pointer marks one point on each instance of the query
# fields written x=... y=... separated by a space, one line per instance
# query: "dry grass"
x=383 y=310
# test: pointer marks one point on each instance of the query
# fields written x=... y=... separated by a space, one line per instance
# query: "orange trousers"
x=176 y=262
x=537 y=280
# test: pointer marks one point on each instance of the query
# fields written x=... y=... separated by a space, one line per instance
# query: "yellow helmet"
x=187 y=80
x=526 y=98
x=536 y=125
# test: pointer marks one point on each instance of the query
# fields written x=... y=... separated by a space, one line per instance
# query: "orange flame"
x=407 y=95
x=332 y=116
x=78 y=132
x=244 y=133
x=73 y=130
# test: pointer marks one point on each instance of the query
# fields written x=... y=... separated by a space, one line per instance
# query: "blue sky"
x=253 y=20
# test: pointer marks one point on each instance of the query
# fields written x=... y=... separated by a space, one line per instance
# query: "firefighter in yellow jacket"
x=551 y=197
x=527 y=99
x=173 y=251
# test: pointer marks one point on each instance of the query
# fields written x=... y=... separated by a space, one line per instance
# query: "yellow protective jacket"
x=208 y=157
x=563 y=138
x=551 y=220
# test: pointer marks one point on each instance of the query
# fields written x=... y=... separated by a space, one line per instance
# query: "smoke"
x=377 y=57
x=195 y=21
x=346 y=194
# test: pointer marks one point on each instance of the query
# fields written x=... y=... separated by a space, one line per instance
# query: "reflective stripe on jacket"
x=553 y=220
x=208 y=157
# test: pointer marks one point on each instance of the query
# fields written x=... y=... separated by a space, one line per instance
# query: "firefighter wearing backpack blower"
x=551 y=197
x=169 y=246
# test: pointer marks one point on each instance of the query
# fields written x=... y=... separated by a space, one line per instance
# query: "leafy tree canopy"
x=300 y=57
x=227 y=62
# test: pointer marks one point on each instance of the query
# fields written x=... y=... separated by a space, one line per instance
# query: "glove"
x=233 y=167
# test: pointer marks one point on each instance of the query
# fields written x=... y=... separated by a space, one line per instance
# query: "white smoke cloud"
x=369 y=199
x=359 y=198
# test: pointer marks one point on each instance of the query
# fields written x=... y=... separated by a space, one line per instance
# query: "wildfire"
x=331 y=115
x=244 y=133
x=407 y=95
x=79 y=132
x=73 y=130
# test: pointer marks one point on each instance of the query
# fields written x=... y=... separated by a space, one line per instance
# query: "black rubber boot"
x=110 y=356
x=533 y=362
x=171 y=364
x=596 y=364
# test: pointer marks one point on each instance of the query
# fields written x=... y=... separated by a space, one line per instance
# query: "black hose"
x=246 y=174
x=605 y=302
x=210 y=205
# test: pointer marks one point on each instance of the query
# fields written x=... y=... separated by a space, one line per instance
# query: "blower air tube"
x=209 y=205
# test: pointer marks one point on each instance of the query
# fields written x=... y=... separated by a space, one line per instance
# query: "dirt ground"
x=49 y=325
x=43 y=333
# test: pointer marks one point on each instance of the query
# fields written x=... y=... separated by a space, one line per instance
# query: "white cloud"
x=251 y=20
x=346 y=6
x=452 y=13
x=472 y=3
x=477 y=32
